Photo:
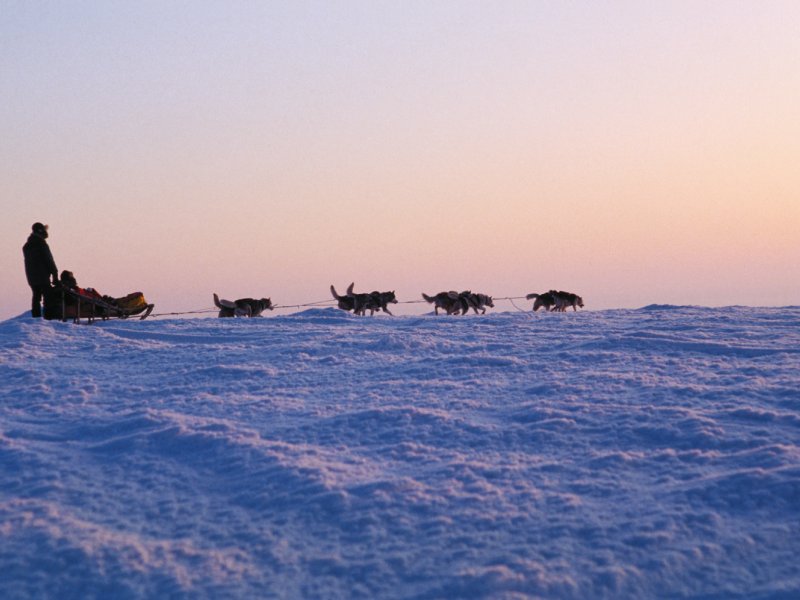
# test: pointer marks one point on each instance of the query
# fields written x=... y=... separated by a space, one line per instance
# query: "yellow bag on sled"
x=132 y=302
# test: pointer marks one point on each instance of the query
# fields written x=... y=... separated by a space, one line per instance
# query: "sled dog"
x=546 y=299
x=477 y=302
x=361 y=303
x=372 y=302
x=566 y=299
x=455 y=303
x=377 y=301
x=447 y=301
x=243 y=307
x=555 y=300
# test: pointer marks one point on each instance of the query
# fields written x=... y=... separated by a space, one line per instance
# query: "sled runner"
x=78 y=303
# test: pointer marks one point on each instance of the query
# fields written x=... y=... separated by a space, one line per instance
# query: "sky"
x=632 y=152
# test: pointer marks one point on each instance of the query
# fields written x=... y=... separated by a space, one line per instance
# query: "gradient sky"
x=633 y=152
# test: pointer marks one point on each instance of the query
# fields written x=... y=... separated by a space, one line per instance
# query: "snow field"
x=611 y=454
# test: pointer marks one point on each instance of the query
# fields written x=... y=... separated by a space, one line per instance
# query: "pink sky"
x=633 y=154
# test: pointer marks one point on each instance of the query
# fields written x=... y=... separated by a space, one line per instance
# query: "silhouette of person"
x=39 y=266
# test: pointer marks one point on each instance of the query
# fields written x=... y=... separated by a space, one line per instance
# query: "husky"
x=566 y=299
x=447 y=301
x=548 y=300
x=372 y=302
x=243 y=307
x=361 y=303
x=455 y=303
x=377 y=301
x=476 y=302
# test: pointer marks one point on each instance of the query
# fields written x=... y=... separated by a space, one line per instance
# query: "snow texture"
x=611 y=454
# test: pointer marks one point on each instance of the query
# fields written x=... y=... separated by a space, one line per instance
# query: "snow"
x=608 y=454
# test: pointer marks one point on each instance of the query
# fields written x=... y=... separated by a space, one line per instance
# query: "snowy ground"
x=618 y=454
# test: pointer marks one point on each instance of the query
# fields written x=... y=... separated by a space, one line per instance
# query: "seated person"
x=132 y=303
x=68 y=281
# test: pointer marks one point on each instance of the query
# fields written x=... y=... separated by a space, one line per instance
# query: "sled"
x=64 y=303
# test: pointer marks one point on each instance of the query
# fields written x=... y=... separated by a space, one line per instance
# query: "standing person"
x=39 y=266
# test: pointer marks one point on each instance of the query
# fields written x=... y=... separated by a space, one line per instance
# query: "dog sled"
x=64 y=303
x=68 y=301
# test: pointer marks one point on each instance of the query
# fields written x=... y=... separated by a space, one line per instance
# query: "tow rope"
x=320 y=303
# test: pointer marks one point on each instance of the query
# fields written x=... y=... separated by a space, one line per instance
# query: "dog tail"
x=333 y=291
x=531 y=296
x=428 y=298
x=349 y=291
x=216 y=301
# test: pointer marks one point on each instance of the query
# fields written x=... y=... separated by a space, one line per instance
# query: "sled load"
x=68 y=301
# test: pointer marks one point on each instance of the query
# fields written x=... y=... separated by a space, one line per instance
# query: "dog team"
x=40 y=268
x=452 y=302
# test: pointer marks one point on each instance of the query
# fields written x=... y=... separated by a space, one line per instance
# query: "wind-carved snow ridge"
x=610 y=454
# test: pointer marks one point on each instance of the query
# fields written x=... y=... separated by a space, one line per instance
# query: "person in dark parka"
x=39 y=266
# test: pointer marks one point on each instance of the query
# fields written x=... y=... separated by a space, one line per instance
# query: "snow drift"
x=626 y=453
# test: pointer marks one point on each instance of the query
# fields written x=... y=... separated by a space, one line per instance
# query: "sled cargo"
x=64 y=303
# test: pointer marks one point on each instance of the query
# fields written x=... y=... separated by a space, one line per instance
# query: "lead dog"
x=243 y=307
x=566 y=299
